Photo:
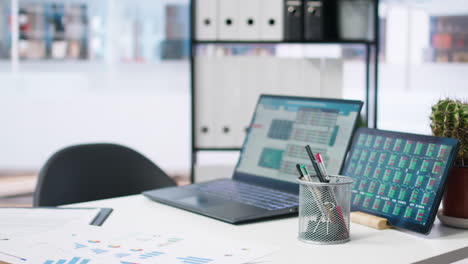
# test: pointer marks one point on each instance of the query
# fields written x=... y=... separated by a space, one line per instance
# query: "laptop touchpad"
x=200 y=201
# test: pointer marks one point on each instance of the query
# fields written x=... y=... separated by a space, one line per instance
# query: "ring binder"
x=313 y=24
x=293 y=20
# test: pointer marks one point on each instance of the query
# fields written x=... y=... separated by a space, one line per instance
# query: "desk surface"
x=366 y=246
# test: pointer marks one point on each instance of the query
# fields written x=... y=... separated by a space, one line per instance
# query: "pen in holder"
x=324 y=210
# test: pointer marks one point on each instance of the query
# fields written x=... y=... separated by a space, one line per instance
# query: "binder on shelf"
x=269 y=76
x=206 y=101
x=330 y=20
x=228 y=19
x=271 y=20
x=293 y=24
x=227 y=112
x=313 y=20
x=205 y=19
x=290 y=79
x=251 y=83
x=310 y=71
x=249 y=18
x=332 y=78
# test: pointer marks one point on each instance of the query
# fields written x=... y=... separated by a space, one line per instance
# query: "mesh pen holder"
x=324 y=210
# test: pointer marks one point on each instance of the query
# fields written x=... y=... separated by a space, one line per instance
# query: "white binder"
x=228 y=19
x=249 y=18
x=291 y=76
x=271 y=19
x=251 y=82
x=205 y=101
x=227 y=113
x=269 y=76
x=332 y=78
x=205 y=19
x=310 y=72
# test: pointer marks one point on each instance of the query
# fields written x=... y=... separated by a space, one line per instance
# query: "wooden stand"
x=368 y=220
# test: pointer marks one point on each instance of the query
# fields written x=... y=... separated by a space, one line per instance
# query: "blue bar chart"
x=75 y=260
x=194 y=260
x=98 y=250
x=78 y=246
x=150 y=255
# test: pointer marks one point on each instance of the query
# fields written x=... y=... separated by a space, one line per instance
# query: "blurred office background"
x=76 y=71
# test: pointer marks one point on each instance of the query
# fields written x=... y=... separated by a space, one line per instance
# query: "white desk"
x=366 y=246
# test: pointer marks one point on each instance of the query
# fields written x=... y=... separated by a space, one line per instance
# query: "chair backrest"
x=96 y=171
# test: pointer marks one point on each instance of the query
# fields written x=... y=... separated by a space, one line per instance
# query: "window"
x=424 y=60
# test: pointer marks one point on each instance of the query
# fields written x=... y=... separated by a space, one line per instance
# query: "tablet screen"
x=399 y=176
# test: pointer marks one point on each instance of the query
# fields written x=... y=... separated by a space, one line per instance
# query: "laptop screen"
x=282 y=126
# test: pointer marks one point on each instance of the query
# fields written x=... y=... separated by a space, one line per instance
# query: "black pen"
x=314 y=163
x=298 y=167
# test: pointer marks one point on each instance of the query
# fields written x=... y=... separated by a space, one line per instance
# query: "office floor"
x=17 y=201
x=16 y=188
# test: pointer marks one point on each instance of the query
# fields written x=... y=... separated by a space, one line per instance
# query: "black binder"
x=330 y=20
x=313 y=20
x=293 y=20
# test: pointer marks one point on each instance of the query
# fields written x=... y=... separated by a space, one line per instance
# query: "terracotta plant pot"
x=455 y=200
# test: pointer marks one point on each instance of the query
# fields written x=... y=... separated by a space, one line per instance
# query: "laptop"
x=264 y=184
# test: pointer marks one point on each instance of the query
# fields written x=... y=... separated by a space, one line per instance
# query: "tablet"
x=399 y=176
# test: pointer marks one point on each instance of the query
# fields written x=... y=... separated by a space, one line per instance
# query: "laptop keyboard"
x=253 y=195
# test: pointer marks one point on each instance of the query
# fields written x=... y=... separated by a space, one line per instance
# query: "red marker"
x=322 y=166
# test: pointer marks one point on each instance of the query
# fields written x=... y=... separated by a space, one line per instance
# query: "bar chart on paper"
x=75 y=260
x=151 y=254
x=195 y=260
x=135 y=247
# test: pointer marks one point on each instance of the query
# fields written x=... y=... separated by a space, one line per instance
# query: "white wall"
x=144 y=107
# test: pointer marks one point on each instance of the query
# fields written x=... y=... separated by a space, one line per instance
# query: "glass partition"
x=425 y=54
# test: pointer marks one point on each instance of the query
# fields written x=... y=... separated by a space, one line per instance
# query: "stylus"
x=314 y=163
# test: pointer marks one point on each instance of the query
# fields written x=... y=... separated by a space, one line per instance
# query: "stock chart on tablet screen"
x=398 y=176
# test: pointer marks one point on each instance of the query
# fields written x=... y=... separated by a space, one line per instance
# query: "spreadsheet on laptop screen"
x=281 y=127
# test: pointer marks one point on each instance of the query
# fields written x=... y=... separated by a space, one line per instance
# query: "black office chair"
x=96 y=171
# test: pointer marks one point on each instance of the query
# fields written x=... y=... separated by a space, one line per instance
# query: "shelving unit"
x=371 y=72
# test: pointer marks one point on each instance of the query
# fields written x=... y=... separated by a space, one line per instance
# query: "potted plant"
x=449 y=118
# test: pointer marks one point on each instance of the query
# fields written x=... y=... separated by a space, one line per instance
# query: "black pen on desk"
x=314 y=163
